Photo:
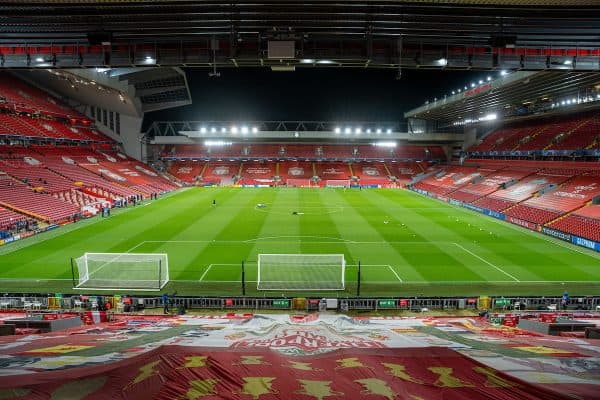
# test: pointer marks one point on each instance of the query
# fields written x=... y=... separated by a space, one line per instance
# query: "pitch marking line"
x=395 y=273
x=487 y=262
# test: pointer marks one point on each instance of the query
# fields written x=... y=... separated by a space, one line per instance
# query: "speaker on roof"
x=99 y=38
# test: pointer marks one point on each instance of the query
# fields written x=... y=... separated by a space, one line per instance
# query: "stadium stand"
x=371 y=173
x=17 y=196
x=221 y=173
x=405 y=171
x=296 y=173
x=448 y=180
x=186 y=171
x=332 y=171
x=257 y=173
x=584 y=222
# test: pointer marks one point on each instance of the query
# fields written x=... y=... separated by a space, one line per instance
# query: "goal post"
x=300 y=272
x=116 y=271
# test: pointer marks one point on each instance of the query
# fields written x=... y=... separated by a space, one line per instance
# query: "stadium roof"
x=437 y=34
x=519 y=88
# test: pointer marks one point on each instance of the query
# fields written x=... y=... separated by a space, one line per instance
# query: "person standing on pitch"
x=165 y=300
x=214 y=203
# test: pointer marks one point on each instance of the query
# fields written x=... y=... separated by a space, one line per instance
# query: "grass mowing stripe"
x=487 y=262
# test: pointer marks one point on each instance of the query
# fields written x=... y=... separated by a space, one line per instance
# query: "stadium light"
x=458 y=90
x=39 y=59
x=357 y=131
x=388 y=131
x=307 y=61
x=368 y=130
x=453 y=92
x=568 y=101
x=254 y=129
x=223 y=130
x=379 y=131
x=568 y=62
x=337 y=130
x=480 y=81
x=234 y=129
x=385 y=144
x=347 y=131
x=562 y=103
x=442 y=61
x=325 y=62
x=574 y=100
x=149 y=60
x=503 y=72
x=244 y=129
x=489 y=78
x=203 y=130
x=213 y=129
x=213 y=143
x=472 y=84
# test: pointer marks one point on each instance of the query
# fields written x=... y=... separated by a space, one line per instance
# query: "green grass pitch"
x=426 y=248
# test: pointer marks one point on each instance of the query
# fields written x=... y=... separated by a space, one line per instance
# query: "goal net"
x=301 y=271
x=132 y=271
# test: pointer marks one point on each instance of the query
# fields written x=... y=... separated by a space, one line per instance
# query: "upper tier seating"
x=306 y=151
x=17 y=92
x=558 y=133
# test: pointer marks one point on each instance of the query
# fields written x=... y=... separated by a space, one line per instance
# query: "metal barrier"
x=416 y=304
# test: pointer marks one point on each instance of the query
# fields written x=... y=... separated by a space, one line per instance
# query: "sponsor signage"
x=520 y=222
x=555 y=233
x=495 y=214
x=281 y=303
x=590 y=244
x=386 y=303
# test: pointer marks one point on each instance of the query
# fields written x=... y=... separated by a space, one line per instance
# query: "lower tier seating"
x=493 y=204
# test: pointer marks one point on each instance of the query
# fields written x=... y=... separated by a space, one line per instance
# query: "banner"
x=523 y=223
x=175 y=372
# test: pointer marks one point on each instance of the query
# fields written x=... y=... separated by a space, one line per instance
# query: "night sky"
x=329 y=94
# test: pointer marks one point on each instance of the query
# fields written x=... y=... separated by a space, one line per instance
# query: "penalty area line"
x=487 y=262
x=205 y=272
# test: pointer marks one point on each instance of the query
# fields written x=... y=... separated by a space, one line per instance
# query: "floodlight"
x=213 y=129
x=472 y=84
x=503 y=72
x=574 y=100
x=244 y=129
x=203 y=130
x=368 y=130
x=442 y=61
x=453 y=92
x=234 y=129
x=347 y=131
x=325 y=62
x=307 y=61
x=337 y=129
x=480 y=82
x=223 y=130
x=39 y=59
x=378 y=131
x=562 y=103
x=357 y=131
x=254 y=129
x=568 y=62
x=489 y=78
x=388 y=131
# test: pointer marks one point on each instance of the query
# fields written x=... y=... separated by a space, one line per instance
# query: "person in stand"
x=127 y=303
x=165 y=300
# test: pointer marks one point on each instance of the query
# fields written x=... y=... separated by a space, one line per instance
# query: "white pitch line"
x=487 y=262
x=205 y=272
x=394 y=272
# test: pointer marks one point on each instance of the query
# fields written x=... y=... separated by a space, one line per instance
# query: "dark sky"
x=332 y=94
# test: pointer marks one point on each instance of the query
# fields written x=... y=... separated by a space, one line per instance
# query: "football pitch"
x=406 y=244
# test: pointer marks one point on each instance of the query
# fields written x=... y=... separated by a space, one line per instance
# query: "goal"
x=112 y=271
x=301 y=272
